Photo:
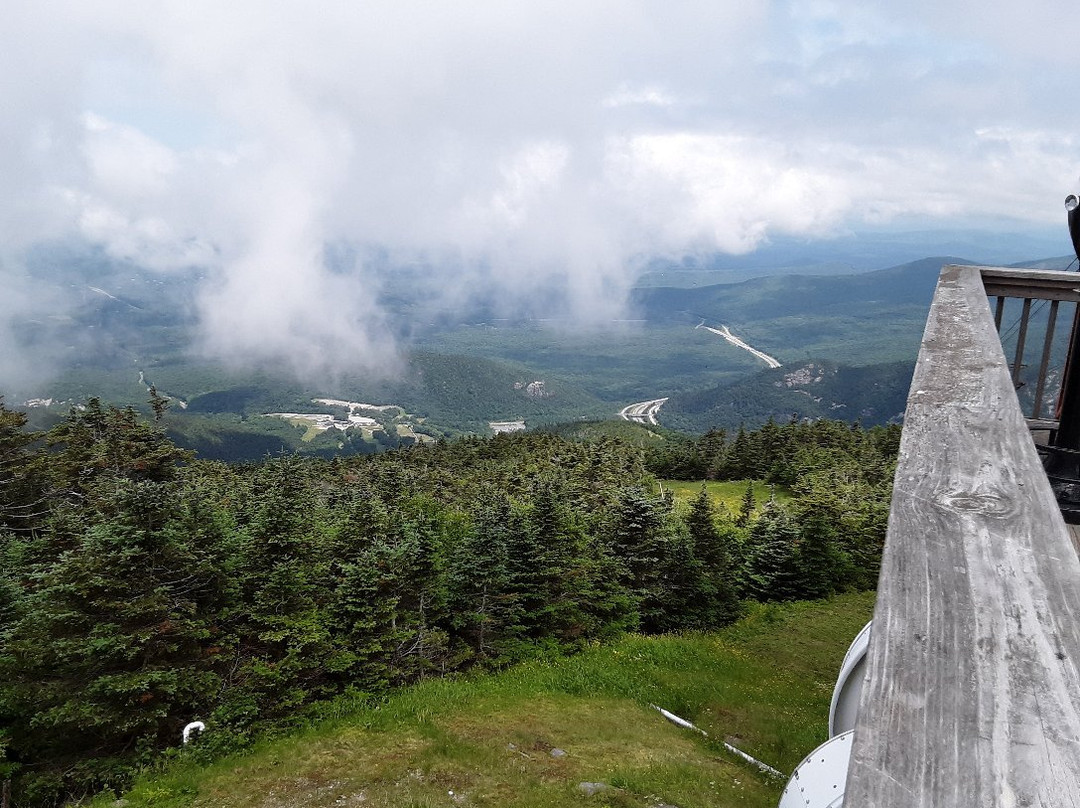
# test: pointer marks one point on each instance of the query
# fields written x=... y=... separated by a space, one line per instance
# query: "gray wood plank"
x=972 y=695
x=1043 y=284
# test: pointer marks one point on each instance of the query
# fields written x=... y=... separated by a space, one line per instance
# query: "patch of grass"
x=490 y=740
x=726 y=493
x=310 y=430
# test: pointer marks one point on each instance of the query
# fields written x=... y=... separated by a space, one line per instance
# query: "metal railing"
x=1043 y=322
x=1040 y=308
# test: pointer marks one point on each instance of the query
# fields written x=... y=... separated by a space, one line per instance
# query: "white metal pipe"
x=674 y=719
x=190 y=728
x=765 y=767
x=682 y=722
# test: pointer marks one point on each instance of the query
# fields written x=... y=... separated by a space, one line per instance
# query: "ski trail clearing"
x=724 y=332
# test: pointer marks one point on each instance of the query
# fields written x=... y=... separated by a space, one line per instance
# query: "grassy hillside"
x=490 y=740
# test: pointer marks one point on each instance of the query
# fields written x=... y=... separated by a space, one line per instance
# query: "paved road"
x=724 y=332
x=644 y=412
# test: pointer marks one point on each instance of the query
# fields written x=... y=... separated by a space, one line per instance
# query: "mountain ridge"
x=864 y=328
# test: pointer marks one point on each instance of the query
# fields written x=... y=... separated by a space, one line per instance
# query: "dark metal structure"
x=1061 y=455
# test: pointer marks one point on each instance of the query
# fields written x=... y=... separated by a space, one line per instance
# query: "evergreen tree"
x=528 y=573
x=158 y=403
x=845 y=516
x=484 y=611
x=640 y=541
x=111 y=653
x=711 y=454
x=556 y=540
x=608 y=609
x=740 y=462
x=416 y=575
x=821 y=567
x=23 y=501
x=280 y=619
x=746 y=506
x=771 y=443
x=773 y=572
x=714 y=551
x=97 y=445
x=679 y=599
x=362 y=605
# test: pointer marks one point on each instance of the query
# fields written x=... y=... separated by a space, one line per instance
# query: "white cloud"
x=535 y=144
x=626 y=96
x=125 y=162
x=535 y=170
x=726 y=193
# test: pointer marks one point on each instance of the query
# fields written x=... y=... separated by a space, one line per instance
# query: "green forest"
x=142 y=588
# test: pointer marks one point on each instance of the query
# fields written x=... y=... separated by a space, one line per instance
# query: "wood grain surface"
x=972 y=696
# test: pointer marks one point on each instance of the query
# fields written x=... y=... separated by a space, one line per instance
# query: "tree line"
x=141 y=588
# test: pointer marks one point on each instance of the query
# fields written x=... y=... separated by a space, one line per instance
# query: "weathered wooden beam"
x=1042 y=284
x=972 y=696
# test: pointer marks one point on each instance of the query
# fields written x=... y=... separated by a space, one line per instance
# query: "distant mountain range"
x=846 y=344
x=858 y=252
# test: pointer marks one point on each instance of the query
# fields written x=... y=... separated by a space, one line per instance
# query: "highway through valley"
x=724 y=332
x=644 y=412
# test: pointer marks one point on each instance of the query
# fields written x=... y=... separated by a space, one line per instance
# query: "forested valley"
x=142 y=588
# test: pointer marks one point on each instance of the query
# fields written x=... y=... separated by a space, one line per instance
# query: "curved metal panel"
x=845 y=699
x=818 y=782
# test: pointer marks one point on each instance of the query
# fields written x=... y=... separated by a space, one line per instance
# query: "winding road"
x=644 y=412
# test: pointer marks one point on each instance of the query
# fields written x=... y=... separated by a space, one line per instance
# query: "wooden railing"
x=972 y=695
x=1035 y=365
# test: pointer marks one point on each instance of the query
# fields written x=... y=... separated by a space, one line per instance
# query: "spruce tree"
x=23 y=493
x=773 y=572
x=113 y=649
x=820 y=561
x=714 y=551
x=362 y=607
x=711 y=454
x=484 y=611
x=746 y=506
x=745 y=459
x=416 y=572
x=557 y=543
x=640 y=541
x=529 y=574
x=281 y=617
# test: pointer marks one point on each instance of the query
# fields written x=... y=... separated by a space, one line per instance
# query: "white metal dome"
x=818 y=782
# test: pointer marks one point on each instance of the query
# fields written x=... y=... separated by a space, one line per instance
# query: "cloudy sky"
x=519 y=143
